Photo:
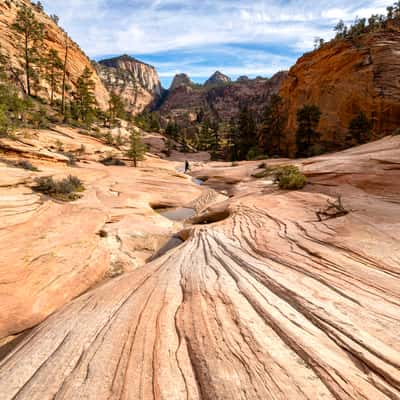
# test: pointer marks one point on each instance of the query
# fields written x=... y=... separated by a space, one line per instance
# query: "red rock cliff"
x=54 y=39
x=344 y=78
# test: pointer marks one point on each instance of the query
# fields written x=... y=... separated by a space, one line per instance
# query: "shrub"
x=25 y=164
x=396 y=132
x=290 y=178
x=261 y=174
x=112 y=161
x=65 y=189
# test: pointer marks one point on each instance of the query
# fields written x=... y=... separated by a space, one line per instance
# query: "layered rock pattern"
x=136 y=82
x=344 y=78
x=220 y=98
x=55 y=38
x=267 y=303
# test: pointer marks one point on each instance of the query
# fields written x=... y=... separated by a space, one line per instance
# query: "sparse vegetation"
x=136 y=147
x=307 y=135
x=289 y=177
x=333 y=210
x=67 y=189
x=25 y=164
x=109 y=161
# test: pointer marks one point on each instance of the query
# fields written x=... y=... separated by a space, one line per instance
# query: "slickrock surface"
x=52 y=251
x=267 y=303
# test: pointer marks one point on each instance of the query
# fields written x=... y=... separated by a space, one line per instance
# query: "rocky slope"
x=54 y=39
x=344 y=78
x=266 y=302
x=220 y=98
x=136 y=82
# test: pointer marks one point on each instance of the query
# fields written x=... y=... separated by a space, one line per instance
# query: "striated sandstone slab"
x=268 y=303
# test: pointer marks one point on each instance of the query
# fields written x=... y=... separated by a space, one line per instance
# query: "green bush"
x=289 y=177
x=66 y=189
x=262 y=174
x=25 y=164
x=108 y=161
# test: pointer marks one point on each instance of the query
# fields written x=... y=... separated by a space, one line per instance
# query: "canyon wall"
x=344 y=78
x=219 y=98
x=55 y=38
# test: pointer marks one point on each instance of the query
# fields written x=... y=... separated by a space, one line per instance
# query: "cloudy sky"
x=238 y=37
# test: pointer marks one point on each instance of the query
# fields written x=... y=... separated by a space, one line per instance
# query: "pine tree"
x=29 y=33
x=272 y=126
x=116 y=108
x=137 y=149
x=247 y=138
x=63 y=89
x=360 y=130
x=53 y=72
x=307 y=120
x=85 y=100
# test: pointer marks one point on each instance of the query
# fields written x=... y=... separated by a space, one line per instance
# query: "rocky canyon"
x=135 y=267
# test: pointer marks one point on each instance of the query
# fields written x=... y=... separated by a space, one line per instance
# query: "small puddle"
x=198 y=181
x=177 y=213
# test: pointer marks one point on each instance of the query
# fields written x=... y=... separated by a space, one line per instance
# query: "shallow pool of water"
x=177 y=214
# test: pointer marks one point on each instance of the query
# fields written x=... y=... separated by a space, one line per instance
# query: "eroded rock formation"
x=221 y=99
x=137 y=83
x=55 y=38
x=344 y=78
x=268 y=302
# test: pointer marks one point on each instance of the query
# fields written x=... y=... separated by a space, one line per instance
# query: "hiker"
x=187 y=168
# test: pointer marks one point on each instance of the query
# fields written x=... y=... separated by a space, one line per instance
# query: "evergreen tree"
x=360 y=129
x=53 y=72
x=247 y=138
x=272 y=126
x=307 y=120
x=29 y=33
x=137 y=149
x=172 y=130
x=116 y=108
x=85 y=100
x=64 y=85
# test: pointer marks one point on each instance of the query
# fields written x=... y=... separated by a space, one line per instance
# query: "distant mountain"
x=217 y=78
x=136 y=82
x=180 y=80
x=219 y=98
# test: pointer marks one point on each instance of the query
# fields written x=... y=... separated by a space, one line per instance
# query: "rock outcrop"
x=344 y=78
x=261 y=301
x=180 y=80
x=136 y=82
x=55 y=38
x=217 y=78
x=221 y=101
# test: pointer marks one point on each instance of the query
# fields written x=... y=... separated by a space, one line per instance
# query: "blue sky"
x=247 y=37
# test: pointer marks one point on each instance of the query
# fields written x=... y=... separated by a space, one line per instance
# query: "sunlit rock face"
x=262 y=300
x=136 y=82
x=55 y=38
x=219 y=97
x=344 y=78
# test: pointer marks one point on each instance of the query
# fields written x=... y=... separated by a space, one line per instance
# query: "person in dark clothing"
x=186 y=166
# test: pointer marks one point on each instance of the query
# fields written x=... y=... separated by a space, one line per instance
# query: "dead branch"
x=333 y=210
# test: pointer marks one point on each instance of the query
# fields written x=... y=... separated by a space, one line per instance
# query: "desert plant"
x=108 y=161
x=25 y=164
x=289 y=177
x=66 y=189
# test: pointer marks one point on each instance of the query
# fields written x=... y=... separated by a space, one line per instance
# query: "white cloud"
x=143 y=27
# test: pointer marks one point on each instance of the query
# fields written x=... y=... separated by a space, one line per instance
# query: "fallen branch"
x=333 y=210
